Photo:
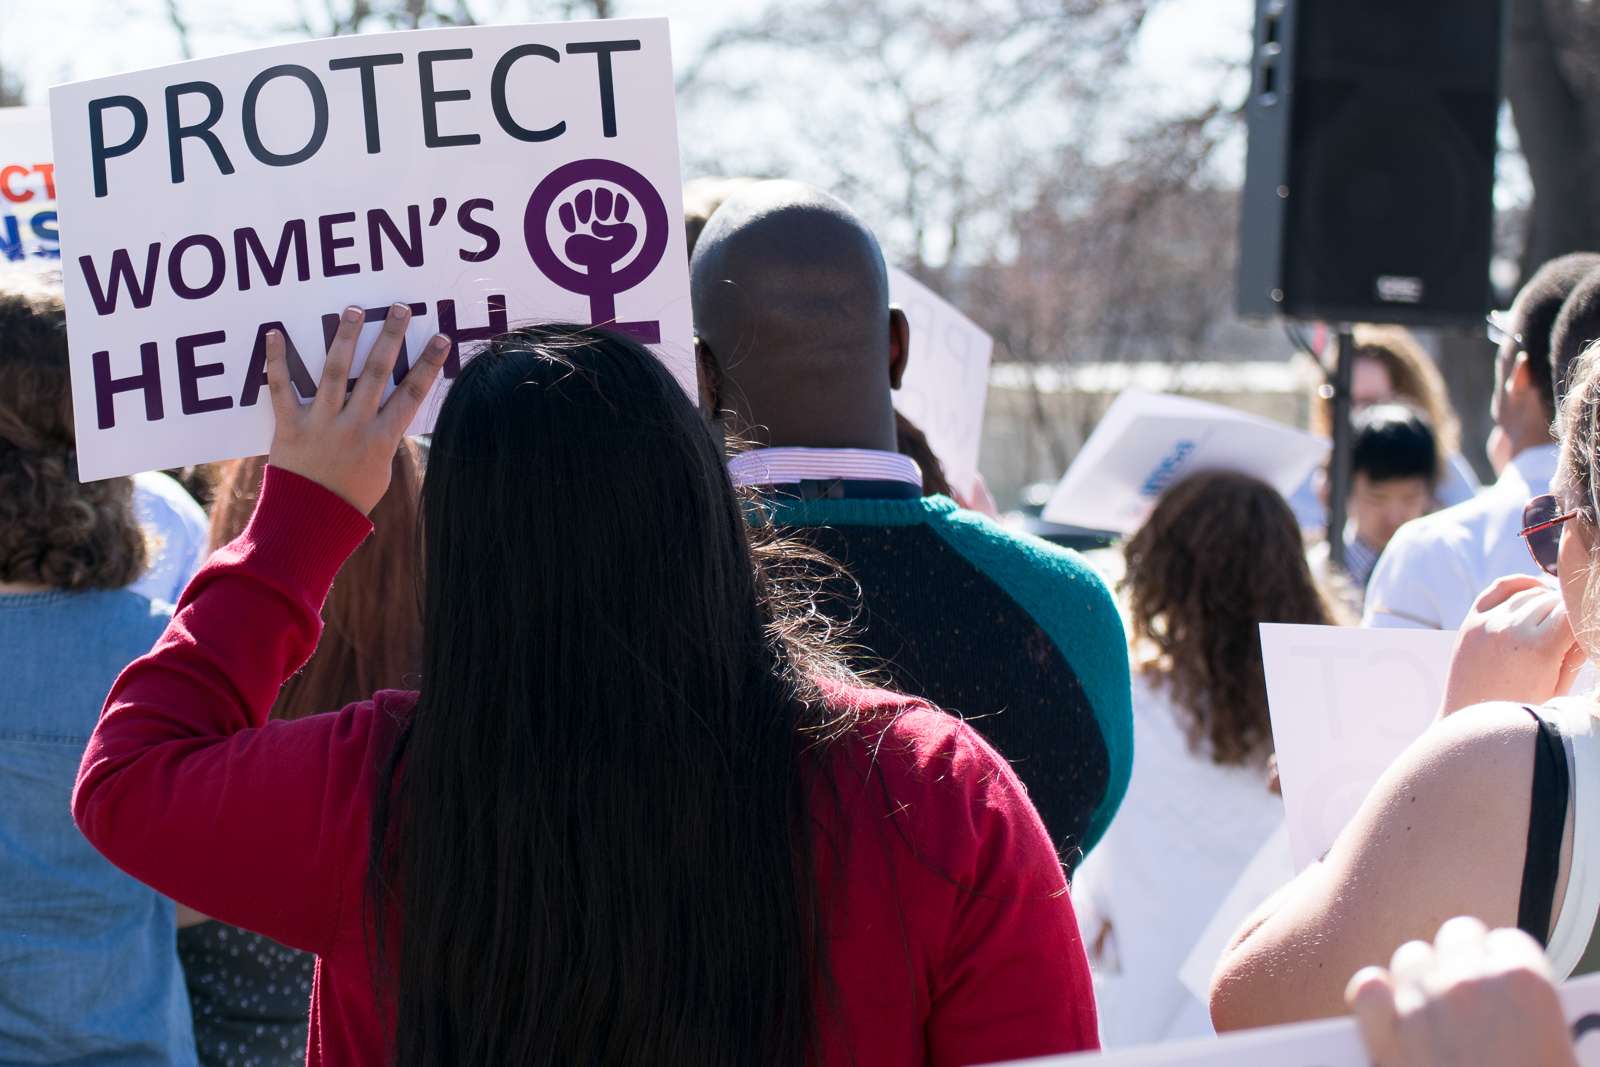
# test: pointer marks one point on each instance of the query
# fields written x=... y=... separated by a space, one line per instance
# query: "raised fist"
x=606 y=242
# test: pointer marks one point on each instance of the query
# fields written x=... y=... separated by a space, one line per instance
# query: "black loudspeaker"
x=1369 y=182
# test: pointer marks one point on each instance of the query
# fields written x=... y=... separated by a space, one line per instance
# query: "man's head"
x=1394 y=463
x=1576 y=328
x=1524 y=395
x=798 y=345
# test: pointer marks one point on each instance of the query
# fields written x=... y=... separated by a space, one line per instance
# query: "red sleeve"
x=1011 y=980
x=186 y=786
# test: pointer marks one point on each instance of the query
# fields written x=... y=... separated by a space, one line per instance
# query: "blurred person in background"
x=1436 y=566
x=1393 y=464
x=1220 y=554
x=250 y=995
x=88 y=972
x=799 y=353
x=1494 y=812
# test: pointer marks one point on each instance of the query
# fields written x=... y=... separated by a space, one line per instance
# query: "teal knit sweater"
x=1017 y=635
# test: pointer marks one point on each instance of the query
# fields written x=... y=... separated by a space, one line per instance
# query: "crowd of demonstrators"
x=1436 y=566
x=799 y=350
x=460 y=762
x=636 y=813
x=88 y=972
x=1492 y=813
x=1220 y=554
x=250 y=995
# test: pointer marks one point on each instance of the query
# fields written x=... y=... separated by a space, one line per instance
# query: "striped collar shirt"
x=784 y=466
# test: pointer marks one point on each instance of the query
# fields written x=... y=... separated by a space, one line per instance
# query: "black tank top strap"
x=1547 y=821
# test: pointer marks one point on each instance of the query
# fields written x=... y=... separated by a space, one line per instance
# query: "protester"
x=1474 y=998
x=1391 y=367
x=88 y=973
x=1436 y=566
x=176 y=526
x=1220 y=555
x=1393 y=467
x=636 y=814
x=799 y=351
x=250 y=996
x=1492 y=813
x=701 y=198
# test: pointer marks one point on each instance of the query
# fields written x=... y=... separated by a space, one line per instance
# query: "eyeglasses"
x=1541 y=528
x=1500 y=328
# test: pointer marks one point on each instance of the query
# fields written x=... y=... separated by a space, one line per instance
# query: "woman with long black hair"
x=635 y=814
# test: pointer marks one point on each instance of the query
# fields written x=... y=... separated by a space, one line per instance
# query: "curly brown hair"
x=54 y=530
x=1220 y=554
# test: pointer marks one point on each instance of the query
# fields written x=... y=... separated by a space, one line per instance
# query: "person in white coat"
x=1220 y=554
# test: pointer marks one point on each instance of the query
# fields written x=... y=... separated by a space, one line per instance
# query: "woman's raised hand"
x=1517 y=644
x=346 y=445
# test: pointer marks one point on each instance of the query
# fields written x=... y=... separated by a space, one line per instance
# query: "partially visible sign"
x=1149 y=442
x=28 y=231
x=487 y=176
x=1345 y=702
x=1324 y=1043
x=947 y=377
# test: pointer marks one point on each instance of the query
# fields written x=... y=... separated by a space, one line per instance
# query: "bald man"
x=799 y=349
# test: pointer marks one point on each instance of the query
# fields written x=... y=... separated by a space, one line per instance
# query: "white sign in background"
x=27 y=188
x=1148 y=442
x=946 y=380
x=486 y=176
x=1325 y=1043
x=1345 y=703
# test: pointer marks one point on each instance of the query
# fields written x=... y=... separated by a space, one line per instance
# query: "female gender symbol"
x=601 y=237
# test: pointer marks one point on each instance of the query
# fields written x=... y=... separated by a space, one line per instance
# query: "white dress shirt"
x=1429 y=575
x=780 y=466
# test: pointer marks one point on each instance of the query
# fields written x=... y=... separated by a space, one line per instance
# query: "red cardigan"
x=955 y=939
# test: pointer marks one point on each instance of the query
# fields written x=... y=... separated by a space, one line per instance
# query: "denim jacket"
x=88 y=962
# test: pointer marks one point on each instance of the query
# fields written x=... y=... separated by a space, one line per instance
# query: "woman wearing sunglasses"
x=1494 y=812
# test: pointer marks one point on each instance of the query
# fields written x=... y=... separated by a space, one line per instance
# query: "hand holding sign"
x=1517 y=644
x=1474 y=998
x=347 y=445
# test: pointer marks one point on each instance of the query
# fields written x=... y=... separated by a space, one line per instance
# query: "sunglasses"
x=1500 y=328
x=1541 y=528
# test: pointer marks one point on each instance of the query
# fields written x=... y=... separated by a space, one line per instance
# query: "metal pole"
x=1339 y=463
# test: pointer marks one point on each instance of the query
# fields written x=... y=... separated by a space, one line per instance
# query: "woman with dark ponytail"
x=638 y=812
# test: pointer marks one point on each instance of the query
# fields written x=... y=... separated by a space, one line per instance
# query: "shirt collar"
x=1359 y=557
x=1534 y=465
x=782 y=466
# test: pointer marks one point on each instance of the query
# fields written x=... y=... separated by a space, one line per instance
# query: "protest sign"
x=1324 y=1043
x=946 y=380
x=27 y=188
x=486 y=176
x=1148 y=442
x=1344 y=702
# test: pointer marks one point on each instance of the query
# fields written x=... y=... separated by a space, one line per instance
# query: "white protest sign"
x=946 y=380
x=1324 y=1043
x=486 y=176
x=27 y=188
x=1345 y=702
x=1148 y=442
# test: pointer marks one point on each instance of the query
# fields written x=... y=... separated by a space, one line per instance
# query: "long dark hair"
x=1220 y=554
x=597 y=849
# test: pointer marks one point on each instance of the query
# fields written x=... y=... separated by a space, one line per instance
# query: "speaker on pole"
x=1370 y=175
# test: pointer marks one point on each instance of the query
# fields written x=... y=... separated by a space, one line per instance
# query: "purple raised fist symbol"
x=605 y=228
